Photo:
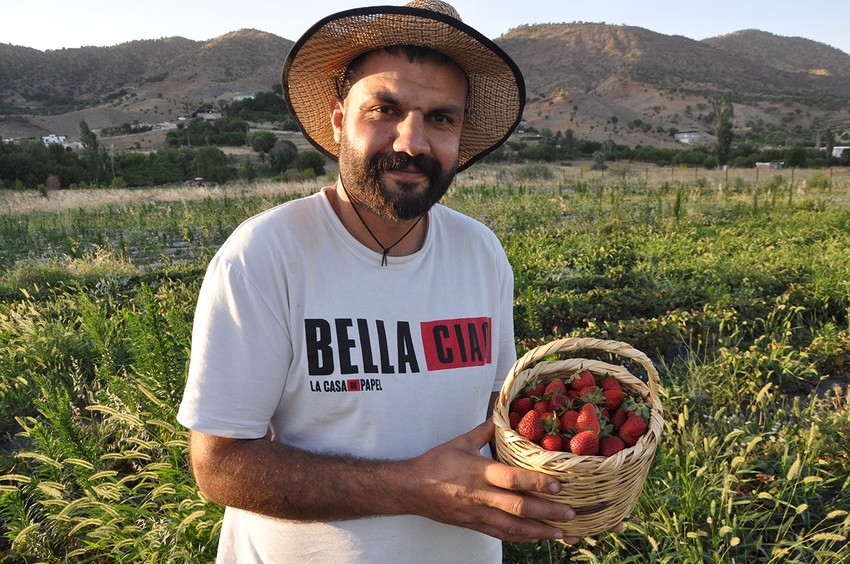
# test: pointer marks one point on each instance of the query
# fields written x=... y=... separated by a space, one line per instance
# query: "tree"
x=93 y=154
x=263 y=142
x=310 y=160
x=829 y=136
x=210 y=163
x=723 y=114
x=283 y=155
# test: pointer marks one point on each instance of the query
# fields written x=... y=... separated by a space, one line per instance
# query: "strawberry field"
x=737 y=286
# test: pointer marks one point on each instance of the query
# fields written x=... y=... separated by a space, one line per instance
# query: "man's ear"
x=337 y=111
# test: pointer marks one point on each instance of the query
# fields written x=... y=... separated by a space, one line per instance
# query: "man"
x=348 y=345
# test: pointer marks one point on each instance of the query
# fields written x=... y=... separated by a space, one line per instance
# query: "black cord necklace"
x=386 y=250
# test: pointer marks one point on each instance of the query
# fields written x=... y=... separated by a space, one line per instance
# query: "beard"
x=361 y=177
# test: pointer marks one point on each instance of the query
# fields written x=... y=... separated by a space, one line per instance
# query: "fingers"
x=519 y=479
x=481 y=435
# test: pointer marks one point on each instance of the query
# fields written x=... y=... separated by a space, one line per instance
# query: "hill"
x=629 y=84
x=635 y=85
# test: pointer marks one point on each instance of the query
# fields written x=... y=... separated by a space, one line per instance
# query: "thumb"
x=482 y=434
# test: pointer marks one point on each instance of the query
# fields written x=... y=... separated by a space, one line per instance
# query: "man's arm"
x=451 y=483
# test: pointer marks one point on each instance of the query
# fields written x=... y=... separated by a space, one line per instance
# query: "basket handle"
x=572 y=344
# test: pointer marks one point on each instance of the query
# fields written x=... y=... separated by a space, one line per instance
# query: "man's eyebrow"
x=386 y=97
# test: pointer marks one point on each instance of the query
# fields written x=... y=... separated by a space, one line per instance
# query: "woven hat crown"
x=317 y=63
x=435 y=6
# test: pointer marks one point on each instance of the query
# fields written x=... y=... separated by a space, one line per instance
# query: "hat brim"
x=316 y=65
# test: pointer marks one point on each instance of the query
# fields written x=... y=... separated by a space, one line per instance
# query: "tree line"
x=193 y=151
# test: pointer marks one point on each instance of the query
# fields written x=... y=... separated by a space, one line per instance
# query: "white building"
x=689 y=137
x=53 y=139
x=838 y=151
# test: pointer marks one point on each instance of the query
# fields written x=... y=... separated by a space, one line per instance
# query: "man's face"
x=399 y=133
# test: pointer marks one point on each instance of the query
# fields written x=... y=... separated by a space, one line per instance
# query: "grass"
x=738 y=289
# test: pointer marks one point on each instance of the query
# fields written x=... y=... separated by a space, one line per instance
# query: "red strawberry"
x=521 y=405
x=609 y=446
x=556 y=385
x=592 y=394
x=530 y=426
x=636 y=406
x=513 y=418
x=559 y=402
x=588 y=418
x=551 y=422
x=632 y=429
x=618 y=418
x=585 y=443
x=568 y=419
x=610 y=383
x=535 y=389
x=541 y=406
x=613 y=398
x=582 y=379
x=552 y=442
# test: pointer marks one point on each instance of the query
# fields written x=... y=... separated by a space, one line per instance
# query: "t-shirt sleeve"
x=239 y=360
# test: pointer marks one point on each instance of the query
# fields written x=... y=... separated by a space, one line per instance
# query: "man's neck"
x=405 y=237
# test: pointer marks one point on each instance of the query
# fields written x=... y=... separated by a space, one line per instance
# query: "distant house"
x=838 y=151
x=770 y=165
x=53 y=139
x=689 y=137
x=240 y=97
x=210 y=116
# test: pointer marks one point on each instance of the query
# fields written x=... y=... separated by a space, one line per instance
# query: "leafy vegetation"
x=739 y=291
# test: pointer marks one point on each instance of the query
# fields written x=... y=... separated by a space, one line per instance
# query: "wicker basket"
x=603 y=491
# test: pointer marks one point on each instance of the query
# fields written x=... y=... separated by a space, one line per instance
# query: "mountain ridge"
x=602 y=81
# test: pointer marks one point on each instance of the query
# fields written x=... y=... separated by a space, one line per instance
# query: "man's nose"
x=411 y=137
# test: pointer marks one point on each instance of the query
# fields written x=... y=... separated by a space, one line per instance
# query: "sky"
x=57 y=24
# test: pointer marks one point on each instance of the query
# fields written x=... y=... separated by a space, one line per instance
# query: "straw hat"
x=317 y=63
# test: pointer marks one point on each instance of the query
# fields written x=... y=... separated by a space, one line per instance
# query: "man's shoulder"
x=460 y=224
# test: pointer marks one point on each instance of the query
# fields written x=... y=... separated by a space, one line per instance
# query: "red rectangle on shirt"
x=457 y=343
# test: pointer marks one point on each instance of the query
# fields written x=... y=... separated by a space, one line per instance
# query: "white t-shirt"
x=301 y=334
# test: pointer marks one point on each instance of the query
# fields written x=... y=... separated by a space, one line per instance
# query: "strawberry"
x=592 y=394
x=582 y=379
x=552 y=442
x=637 y=406
x=555 y=385
x=551 y=421
x=534 y=389
x=588 y=418
x=610 y=383
x=521 y=405
x=585 y=443
x=632 y=429
x=513 y=418
x=559 y=402
x=618 y=418
x=609 y=446
x=613 y=398
x=530 y=426
x=541 y=406
x=568 y=419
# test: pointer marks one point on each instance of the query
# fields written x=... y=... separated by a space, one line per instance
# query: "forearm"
x=281 y=481
x=451 y=483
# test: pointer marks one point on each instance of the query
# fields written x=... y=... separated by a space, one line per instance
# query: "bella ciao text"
x=349 y=347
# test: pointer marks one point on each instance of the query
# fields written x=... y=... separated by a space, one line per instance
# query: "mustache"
x=425 y=164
